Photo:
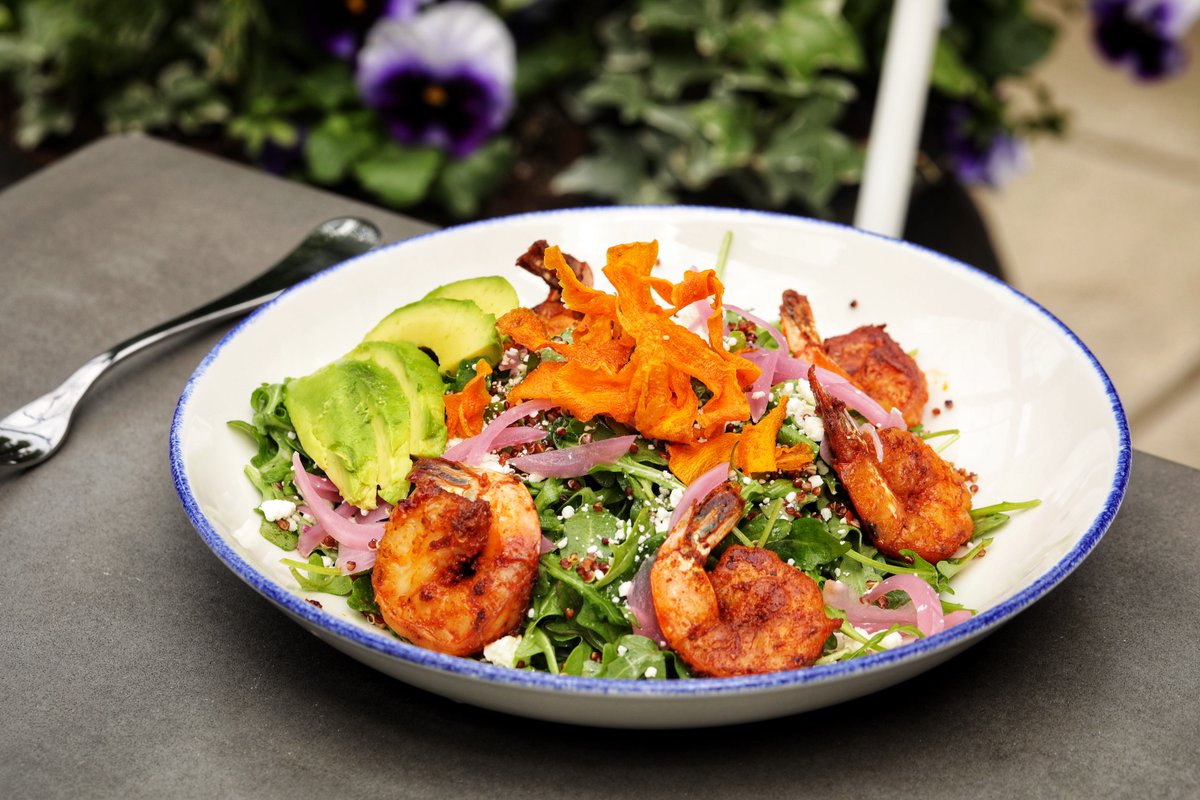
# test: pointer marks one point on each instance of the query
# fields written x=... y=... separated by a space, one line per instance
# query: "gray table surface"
x=134 y=664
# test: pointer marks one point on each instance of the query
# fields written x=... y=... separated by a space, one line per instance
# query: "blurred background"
x=1060 y=147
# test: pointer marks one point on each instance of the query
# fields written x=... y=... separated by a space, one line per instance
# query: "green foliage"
x=739 y=101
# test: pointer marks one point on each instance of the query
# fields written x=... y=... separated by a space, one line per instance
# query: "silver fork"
x=33 y=433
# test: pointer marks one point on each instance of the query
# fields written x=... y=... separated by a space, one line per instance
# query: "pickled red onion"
x=571 y=462
x=471 y=451
x=641 y=603
x=760 y=322
x=873 y=435
x=351 y=560
x=510 y=437
x=345 y=532
x=923 y=611
x=698 y=489
x=760 y=391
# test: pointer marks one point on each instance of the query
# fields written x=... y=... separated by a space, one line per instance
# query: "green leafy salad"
x=508 y=389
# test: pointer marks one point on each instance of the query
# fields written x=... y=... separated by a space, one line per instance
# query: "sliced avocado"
x=419 y=379
x=455 y=330
x=352 y=417
x=491 y=293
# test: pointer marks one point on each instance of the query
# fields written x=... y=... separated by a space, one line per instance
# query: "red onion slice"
x=326 y=488
x=760 y=322
x=471 y=451
x=925 y=603
x=548 y=546
x=641 y=603
x=760 y=392
x=702 y=309
x=924 y=611
x=351 y=560
x=345 y=532
x=309 y=538
x=873 y=435
x=571 y=462
x=510 y=437
x=698 y=489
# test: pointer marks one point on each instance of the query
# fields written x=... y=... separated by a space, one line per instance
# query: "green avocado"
x=422 y=385
x=352 y=417
x=455 y=330
x=491 y=293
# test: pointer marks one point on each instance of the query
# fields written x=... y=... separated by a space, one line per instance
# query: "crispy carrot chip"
x=464 y=410
x=757 y=450
x=628 y=360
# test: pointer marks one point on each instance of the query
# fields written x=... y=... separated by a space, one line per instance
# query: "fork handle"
x=331 y=243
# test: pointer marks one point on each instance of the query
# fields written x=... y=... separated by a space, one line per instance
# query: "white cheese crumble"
x=503 y=651
x=275 y=510
x=814 y=428
x=815 y=481
x=625 y=588
x=567 y=512
x=651 y=672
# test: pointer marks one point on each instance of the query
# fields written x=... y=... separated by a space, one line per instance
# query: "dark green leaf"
x=335 y=145
x=399 y=176
x=464 y=183
x=809 y=545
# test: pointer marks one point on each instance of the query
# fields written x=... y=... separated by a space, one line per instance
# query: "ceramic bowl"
x=1038 y=418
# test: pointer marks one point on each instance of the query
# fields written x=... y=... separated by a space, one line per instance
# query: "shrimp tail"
x=799 y=327
x=843 y=435
x=716 y=516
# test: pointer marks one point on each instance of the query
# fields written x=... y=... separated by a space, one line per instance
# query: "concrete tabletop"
x=134 y=664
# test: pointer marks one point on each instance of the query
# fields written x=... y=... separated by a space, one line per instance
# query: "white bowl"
x=1038 y=416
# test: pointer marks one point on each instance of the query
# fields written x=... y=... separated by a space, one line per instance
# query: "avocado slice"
x=352 y=417
x=455 y=330
x=491 y=293
x=422 y=385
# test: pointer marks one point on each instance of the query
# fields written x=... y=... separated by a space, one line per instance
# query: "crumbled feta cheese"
x=676 y=496
x=625 y=588
x=815 y=481
x=567 y=513
x=826 y=514
x=790 y=497
x=651 y=672
x=814 y=428
x=275 y=510
x=491 y=462
x=503 y=651
x=757 y=395
x=622 y=649
x=662 y=519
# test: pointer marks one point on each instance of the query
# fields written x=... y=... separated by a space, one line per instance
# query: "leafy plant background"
x=736 y=102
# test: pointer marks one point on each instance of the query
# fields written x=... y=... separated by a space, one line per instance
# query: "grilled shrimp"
x=868 y=356
x=753 y=613
x=798 y=327
x=906 y=496
x=883 y=370
x=458 y=558
x=552 y=309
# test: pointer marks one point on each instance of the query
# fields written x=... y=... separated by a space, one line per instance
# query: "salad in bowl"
x=646 y=483
x=544 y=420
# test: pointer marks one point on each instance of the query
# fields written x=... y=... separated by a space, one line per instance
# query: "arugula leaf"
x=318 y=577
x=809 y=545
x=631 y=657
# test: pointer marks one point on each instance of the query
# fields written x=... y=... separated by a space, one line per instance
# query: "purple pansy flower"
x=444 y=78
x=1144 y=35
x=340 y=26
x=975 y=161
